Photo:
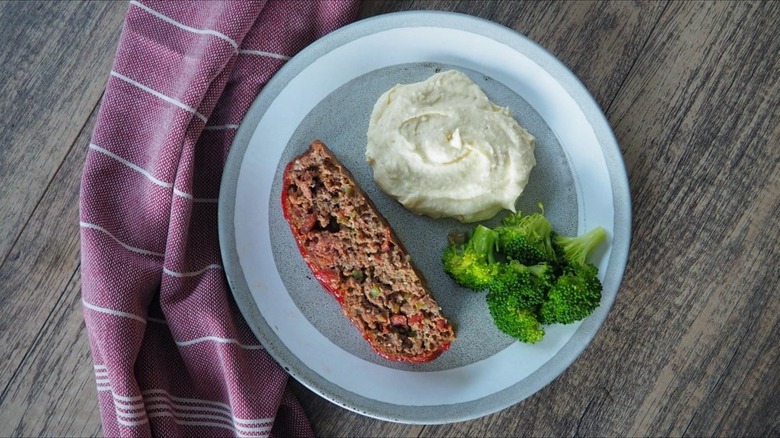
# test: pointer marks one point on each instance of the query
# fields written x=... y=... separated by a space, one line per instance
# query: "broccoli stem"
x=577 y=249
x=484 y=241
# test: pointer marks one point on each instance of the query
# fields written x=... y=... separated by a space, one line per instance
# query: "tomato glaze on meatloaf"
x=355 y=255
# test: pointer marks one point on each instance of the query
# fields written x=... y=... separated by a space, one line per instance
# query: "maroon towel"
x=172 y=354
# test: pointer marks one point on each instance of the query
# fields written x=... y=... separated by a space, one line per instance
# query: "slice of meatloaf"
x=355 y=255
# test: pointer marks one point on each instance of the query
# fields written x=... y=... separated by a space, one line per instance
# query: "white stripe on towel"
x=220 y=127
x=263 y=53
x=170 y=20
x=157 y=398
x=126 y=246
x=151 y=178
x=131 y=423
x=179 y=409
x=166 y=394
x=189 y=196
x=220 y=340
x=159 y=95
x=112 y=312
x=138 y=169
x=191 y=274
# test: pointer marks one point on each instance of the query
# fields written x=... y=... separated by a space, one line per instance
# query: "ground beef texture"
x=356 y=256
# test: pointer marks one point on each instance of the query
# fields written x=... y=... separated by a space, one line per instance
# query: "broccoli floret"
x=527 y=239
x=519 y=285
x=515 y=298
x=577 y=292
x=573 y=297
x=473 y=265
x=516 y=286
x=519 y=323
x=545 y=275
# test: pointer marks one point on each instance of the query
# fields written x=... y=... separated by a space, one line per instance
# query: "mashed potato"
x=442 y=149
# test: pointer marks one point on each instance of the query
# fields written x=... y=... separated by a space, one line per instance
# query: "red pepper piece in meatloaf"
x=355 y=255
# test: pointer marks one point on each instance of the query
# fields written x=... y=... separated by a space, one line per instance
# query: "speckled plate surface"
x=327 y=92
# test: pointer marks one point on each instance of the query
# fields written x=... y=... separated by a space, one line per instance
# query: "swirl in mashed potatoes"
x=443 y=149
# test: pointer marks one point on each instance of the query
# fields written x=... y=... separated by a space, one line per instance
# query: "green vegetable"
x=527 y=239
x=577 y=292
x=574 y=296
x=575 y=250
x=533 y=275
x=520 y=323
x=520 y=284
x=514 y=299
x=473 y=265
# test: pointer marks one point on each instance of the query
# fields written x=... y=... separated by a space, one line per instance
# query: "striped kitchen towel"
x=172 y=354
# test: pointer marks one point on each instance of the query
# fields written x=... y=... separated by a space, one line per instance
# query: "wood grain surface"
x=691 y=346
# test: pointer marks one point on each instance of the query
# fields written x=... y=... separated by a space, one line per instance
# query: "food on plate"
x=357 y=257
x=443 y=149
x=577 y=292
x=533 y=276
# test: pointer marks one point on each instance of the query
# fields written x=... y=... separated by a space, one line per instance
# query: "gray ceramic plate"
x=327 y=92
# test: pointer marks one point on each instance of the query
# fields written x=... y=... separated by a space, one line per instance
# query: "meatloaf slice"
x=355 y=255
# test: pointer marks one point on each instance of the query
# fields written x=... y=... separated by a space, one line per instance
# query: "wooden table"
x=692 y=344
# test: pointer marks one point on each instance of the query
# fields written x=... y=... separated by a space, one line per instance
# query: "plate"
x=327 y=92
